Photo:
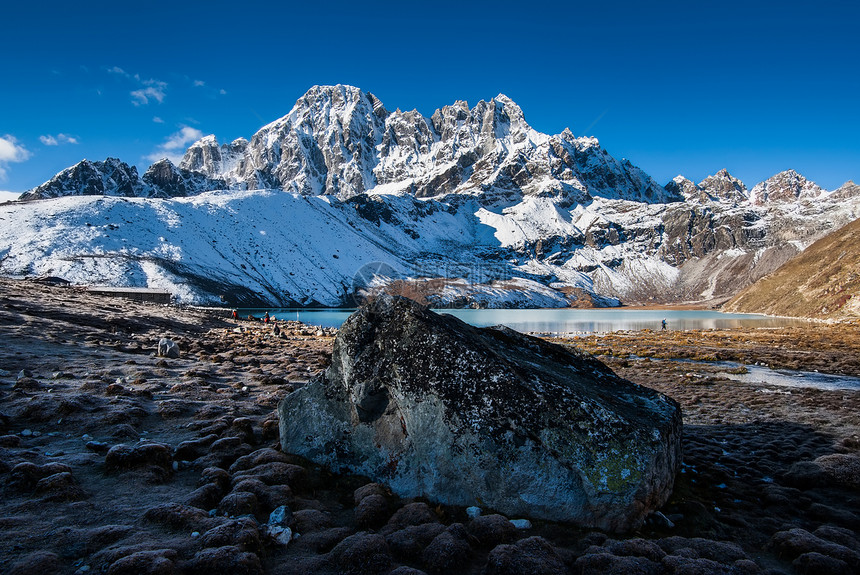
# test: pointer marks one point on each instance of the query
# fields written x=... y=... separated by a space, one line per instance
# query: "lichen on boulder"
x=434 y=407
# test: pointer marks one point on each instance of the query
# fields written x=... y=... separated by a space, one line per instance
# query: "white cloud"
x=149 y=90
x=50 y=140
x=174 y=146
x=157 y=120
x=152 y=90
x=8 y=196
x=222 y=91
x=10 y=151
x=199 y=83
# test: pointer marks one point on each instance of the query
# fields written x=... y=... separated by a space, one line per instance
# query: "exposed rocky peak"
x=787 y=186
x=846 y=191
x=111 y=177
x=724 y=186
x=214 y=161
x=499 y=119
x=325 y=145
x=603 y=175
x=449 y=119
x=171 y=181
x=681 y=186
x=341 y=141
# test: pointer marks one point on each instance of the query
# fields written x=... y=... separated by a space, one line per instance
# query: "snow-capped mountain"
x=786 y=186
x=109 y=178
x=505 y=214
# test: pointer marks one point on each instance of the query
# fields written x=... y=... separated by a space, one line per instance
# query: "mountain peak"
x=112 y=177
x=786 y=186
x=724 y=186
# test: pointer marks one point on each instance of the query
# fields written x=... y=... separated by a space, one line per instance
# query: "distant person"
x=663 y=324
x=266 y=318
x=277 y=330
x=235 y=314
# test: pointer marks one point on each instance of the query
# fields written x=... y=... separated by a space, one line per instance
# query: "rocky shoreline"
x=115 y=460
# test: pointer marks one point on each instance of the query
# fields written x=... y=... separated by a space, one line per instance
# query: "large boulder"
x=437 y=408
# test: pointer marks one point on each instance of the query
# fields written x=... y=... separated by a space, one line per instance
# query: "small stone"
x=416 y=513
x=97 y=446
x=816 y=563
x=26 y=433
x=408 y=544
x=156 y=562
x=281 y=535
x=167 y=348
x=242 y=532
x=369 y=489
x=448 y=550
x=235 y=504
x=521 y=523
x=532 y=556
x=372 y=511
x=472 y=512
x=362 y=554
x=87 y=437
x=491 y=530
x=659 y=520
x=228 y=559
x=282 y=516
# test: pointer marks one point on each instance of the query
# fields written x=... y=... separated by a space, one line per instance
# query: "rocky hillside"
x=822 y=282
x=470 y=206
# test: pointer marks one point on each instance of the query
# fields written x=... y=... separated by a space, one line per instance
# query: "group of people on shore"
x=265 y=319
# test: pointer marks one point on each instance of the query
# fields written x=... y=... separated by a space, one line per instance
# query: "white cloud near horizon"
x=174 y=146
x=10 y=151
x=8 y=196
x=50 y=140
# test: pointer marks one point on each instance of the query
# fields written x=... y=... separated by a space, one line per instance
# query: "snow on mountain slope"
x=253 y=247
x=470 y=206
x=258 y=246
x=109 y=178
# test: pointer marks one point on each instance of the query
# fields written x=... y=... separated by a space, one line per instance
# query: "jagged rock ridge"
x=471 y=206
x=341 y=141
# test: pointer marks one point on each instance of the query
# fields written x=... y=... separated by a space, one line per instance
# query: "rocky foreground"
x=115 y=460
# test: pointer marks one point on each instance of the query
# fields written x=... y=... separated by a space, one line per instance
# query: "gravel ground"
x=114 y=460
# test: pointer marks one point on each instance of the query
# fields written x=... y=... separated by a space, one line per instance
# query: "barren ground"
x=202 y=451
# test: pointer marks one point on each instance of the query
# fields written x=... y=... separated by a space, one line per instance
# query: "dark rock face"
x=434 y=407
x=171 y=181
x=109 y=178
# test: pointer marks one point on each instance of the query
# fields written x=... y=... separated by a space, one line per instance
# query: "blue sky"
x=675 y=87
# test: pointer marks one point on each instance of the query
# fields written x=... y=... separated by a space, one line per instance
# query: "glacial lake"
x=563 y=321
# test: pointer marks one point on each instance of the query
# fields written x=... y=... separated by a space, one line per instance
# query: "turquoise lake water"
x=569 y=321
